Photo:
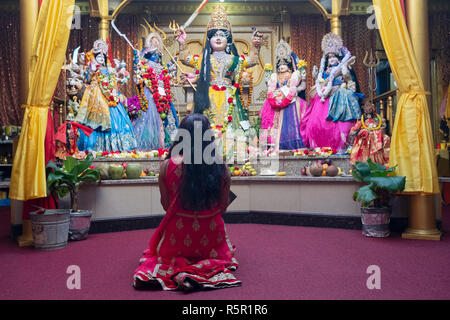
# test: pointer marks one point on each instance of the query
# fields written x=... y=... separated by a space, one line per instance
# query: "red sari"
x=189 y=248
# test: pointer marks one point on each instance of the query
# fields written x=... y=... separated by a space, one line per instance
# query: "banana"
x=281 y=173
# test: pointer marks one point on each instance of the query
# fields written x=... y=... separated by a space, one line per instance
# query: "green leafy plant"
x=69 y=177
x=380 y=184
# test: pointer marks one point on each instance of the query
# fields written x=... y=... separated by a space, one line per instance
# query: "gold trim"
x=194 y=216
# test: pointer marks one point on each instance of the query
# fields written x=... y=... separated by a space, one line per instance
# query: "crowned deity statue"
x=334 y=107
x=284 y=108
x=218 y=71
x=158 y=123
x=101 y=107
x=369 y=138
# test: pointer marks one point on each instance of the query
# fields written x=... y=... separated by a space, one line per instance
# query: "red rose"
x=230 y=100
x=164 y=71
x=197 y=72
x=230 y=118
x=236 y=85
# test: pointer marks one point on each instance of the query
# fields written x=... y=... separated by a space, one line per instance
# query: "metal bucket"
x=80 y=222
x=375 y=222
x=50 y=229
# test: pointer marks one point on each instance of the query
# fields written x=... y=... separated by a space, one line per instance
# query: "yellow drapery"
x=28 y=180
x=412 y=142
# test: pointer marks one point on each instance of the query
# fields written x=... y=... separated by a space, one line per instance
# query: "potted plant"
x=375 y=196
x=67 y=180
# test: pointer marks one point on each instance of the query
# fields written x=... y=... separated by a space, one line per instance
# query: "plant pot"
x=50 y=229
x=375 y=222
x=80 y=222
x=115 y=172
x=134 y=170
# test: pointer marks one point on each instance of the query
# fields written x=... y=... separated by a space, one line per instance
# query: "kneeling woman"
x=190 y=248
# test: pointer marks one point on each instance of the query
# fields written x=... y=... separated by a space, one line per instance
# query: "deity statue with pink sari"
x=334 y=107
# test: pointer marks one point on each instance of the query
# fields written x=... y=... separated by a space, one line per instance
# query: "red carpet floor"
x=276 y=262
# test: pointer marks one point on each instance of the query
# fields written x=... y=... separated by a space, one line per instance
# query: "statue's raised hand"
x=180 y=34
x=257 y=38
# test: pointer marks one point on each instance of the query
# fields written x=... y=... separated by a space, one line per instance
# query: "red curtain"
x=10 y=111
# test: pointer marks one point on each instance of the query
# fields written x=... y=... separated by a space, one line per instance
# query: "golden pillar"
x=100 y=9
x=103 y=28
x=29 y=10
x=335 y=21
x=422 y=211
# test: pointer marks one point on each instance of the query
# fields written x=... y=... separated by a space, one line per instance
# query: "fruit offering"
x=321 y=168
x=245 y=171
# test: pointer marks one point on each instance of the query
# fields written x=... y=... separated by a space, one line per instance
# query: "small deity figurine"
x=334 y=107
x=72 y=109
x=218 y=70
x=157 y=126
x=283 y=110
x=67 y=137
x=370 y=138
x=101 y=107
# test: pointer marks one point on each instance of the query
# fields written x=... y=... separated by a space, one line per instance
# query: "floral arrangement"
x=134 y=108
x=320 y=152
x=159 y=153
x=302 y=64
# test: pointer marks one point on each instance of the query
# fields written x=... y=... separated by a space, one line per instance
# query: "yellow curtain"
x=28 y=180
x=412 y=142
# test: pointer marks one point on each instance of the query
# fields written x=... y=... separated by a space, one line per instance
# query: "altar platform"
x=294 y=199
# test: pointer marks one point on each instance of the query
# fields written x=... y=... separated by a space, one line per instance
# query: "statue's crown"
x=219 y=19
x=332 y=43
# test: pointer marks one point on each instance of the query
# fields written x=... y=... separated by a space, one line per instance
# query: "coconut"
x=316 y=169
x=332 y=170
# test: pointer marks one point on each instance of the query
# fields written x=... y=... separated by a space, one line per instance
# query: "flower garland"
x=108 y=85
x=149 y=79
x=229 y=117
x=141 y=96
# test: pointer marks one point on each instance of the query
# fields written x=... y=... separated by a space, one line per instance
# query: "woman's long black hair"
x=201 y=184
x=201 y=97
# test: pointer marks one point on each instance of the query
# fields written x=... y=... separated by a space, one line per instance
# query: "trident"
x=372 y=63
x=172 y=25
